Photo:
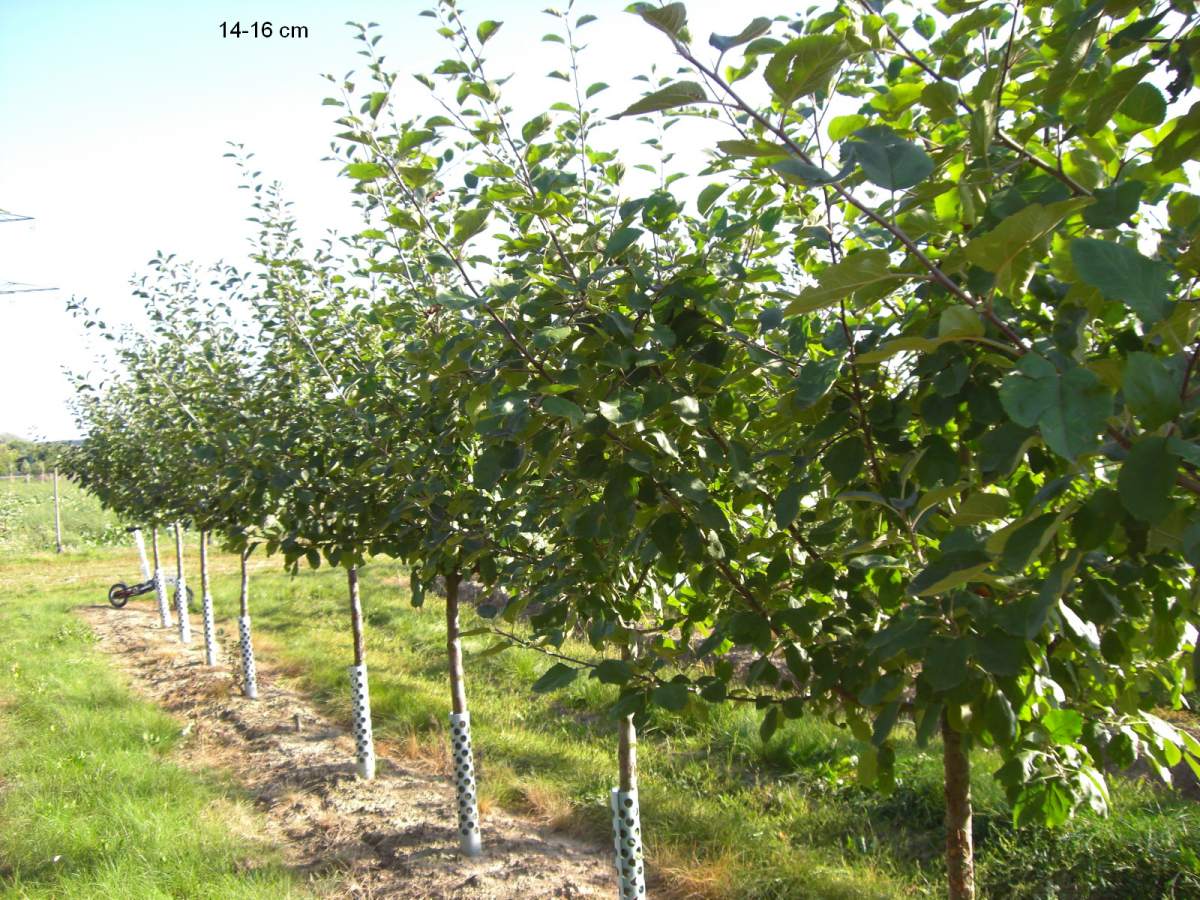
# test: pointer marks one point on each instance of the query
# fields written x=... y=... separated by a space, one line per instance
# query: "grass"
x=724 y=815
x=27 y=518
x=90 y=803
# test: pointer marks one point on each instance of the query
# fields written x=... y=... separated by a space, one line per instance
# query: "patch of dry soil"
x=394 y=837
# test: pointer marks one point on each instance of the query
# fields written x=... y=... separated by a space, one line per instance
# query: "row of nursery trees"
x=892 y=420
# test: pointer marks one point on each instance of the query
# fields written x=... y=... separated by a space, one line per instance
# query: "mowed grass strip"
x=90 y=803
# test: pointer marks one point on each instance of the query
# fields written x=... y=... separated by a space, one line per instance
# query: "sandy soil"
x=395 y=836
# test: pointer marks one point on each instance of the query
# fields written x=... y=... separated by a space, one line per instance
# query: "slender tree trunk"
x=160 y=586
x=249 y=670
x=458 y=691
x=181 y=603
x=469 y=836
x=627 y=753
x=58 y=545
x=245 y=593
x=356 y=625
x=210 y=628
x=960 y=849
x=364 y=738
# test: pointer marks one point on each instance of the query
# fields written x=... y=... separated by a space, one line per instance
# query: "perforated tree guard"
x=210 y=631
x=160 y=591
x=464 y=780
x=181 y=610
x=627 y=841
x=249 y=673
x=363 y=739
x=141 y=549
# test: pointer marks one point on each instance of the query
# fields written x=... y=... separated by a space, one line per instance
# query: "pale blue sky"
x=114 y=118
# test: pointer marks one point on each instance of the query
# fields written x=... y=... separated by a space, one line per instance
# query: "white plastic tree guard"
x=181 y=611
x=627 y=841
x=160 y=590
x=141 y=549
x=249 y=672
x=464 y=780
x=364 y=741
x=210 y=631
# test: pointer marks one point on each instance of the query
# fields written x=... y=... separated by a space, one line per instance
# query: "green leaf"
x=841 y=127
x=486 y=29
x=626 y=408
x=622 y=239
x=1114 y=205
x=945 y=664
x=960 y=321
x=612 y=671
x=1027 y=541
x=881 y=689
x=1145 y=104
x=722 y=42
x=1150 y=389
x=1062 y=725
x=787 y=505
x=670 y=19
x=1000 y=719
x=560 y=406
x=1146 y=479
x=844 y=460
x=948 y=571
x=672 y=696
x=796 y=171
x=813 y=381
x=1069 y=409
x=556 y=677
x=1122 y=273
x=1006 y=249
x=805 y=66
x=365 y=171
x=888 y=160
x=861 y=271
x=679 y=93
x=468 y=223
x=375 y=104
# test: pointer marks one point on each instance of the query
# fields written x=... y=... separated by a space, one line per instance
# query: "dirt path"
x=393 y=837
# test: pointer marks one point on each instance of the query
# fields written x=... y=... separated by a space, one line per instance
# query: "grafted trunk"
x=210 y=627
x=160 y=586
x=181 y=603
x=249 y=670
x=363 y=734
x=627 y=753
x=356 y=624
x=458 y=691
x=245 y=593
x=960 y=847
x=469 y=836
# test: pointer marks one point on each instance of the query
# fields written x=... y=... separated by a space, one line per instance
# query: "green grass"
x=27 y=518
x=724 y=815
x=90 y=803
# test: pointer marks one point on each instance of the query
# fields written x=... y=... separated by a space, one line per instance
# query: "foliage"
x=898 y=409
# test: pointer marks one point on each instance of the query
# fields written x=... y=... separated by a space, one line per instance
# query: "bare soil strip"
x=395 y=836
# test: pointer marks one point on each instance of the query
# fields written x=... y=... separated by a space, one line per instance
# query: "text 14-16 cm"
x=262 y=30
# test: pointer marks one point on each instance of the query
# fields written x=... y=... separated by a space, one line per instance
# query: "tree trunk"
x=58 y=545
x=469 y=836
x=364 y=738
x=181 y=601
x=960 y=849
x=210 y=626
x=249 y=670
x=458 y=691
x=627 y=753
x=356 y=625
x=245 y=594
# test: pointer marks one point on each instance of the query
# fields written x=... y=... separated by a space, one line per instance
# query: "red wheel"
x=118 y=595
